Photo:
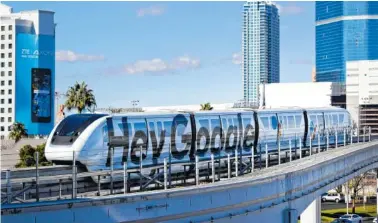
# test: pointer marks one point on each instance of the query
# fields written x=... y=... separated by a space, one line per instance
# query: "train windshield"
x=71 y=127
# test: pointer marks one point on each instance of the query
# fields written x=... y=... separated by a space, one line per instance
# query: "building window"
x=2 y=55
x=10 y=37
x=2 y=92
x=10 y=82
x=9 y=64
x=2 y=37
x=2 y=28
x=2 y=83
x=10 y=73
x=9 y=128
x=2 y=73
x=9 y=119
x=9 y=110
x=9 y=100
x=2 y=137
x=10 y=46
x=9 y=91
x=2 y=119
x=2 y=128
x=10 y=27
x=1 y=110
x=2 y=46
x=9 y=55
x=2 y=101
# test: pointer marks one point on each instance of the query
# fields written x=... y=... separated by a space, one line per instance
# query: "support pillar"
x=312 y=214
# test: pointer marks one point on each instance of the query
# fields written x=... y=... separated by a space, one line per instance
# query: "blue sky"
x=167 y=53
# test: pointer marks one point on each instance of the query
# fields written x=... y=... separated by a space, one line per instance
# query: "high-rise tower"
x=261 y=48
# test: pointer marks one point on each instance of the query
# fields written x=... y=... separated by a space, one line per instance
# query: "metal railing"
x=128 y=180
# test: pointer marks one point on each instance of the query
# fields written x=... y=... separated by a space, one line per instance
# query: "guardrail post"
x=74 y=187
x=125 y=177
x=36 y=175
x=336 y=133
x=345 y=139
x=111 y=170
x=351 y=136
x=228 y=166
x=140 y=167
x=9 y=187
x=165 y=172
x=253 y=159
x=212 y=168
x=279 y=150
x=327 y=139
x=60 y=189
x=369 y=133
x=99 y=185
x=364 y=133
x=266 y=156
x=236 y=163
x=310 y=145
x=290 y=158
x=318 y=143
x=23 y=194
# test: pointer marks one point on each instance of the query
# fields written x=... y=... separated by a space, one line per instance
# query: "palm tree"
x=206 y=107
x=18 y=131
x=80 y=97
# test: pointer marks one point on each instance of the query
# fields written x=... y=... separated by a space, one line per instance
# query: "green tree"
x=355 y=185
x=28 y=159
x=206 y=107
x=80 y=97
x=18 y=131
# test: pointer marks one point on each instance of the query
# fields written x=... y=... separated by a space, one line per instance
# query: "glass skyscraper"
x=345 y=31
x=261 y=48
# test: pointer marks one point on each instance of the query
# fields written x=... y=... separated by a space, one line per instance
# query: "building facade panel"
x=27 y=44
x=345 y=31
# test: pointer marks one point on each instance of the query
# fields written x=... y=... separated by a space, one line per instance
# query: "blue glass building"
x=345 y=31
x=260 y=48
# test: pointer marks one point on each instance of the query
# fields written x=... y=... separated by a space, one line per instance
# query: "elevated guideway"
x=276 y=194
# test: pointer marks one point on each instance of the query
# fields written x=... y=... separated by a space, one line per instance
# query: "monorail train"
x=148 y=139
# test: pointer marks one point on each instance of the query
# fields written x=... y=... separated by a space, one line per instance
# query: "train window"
x=334 y=120
x=326 y=120
x=274 y=122
x=298 y=121
x=341 y=118
x=283 y=122
x=265 y=122
x=320 y=121
x=167 y=128
x=291 y=122
x=75 y=124
x=313 y=120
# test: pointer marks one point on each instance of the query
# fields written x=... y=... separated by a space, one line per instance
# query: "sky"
x=167 y=53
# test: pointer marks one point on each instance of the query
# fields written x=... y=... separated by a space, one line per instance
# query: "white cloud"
x=289 y=10
x=237 y=58
x=70 y=56
x=159 y=65
x=152 y=11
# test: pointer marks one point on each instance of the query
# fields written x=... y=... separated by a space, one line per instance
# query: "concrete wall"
x=307 y=94
x=361 y=85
